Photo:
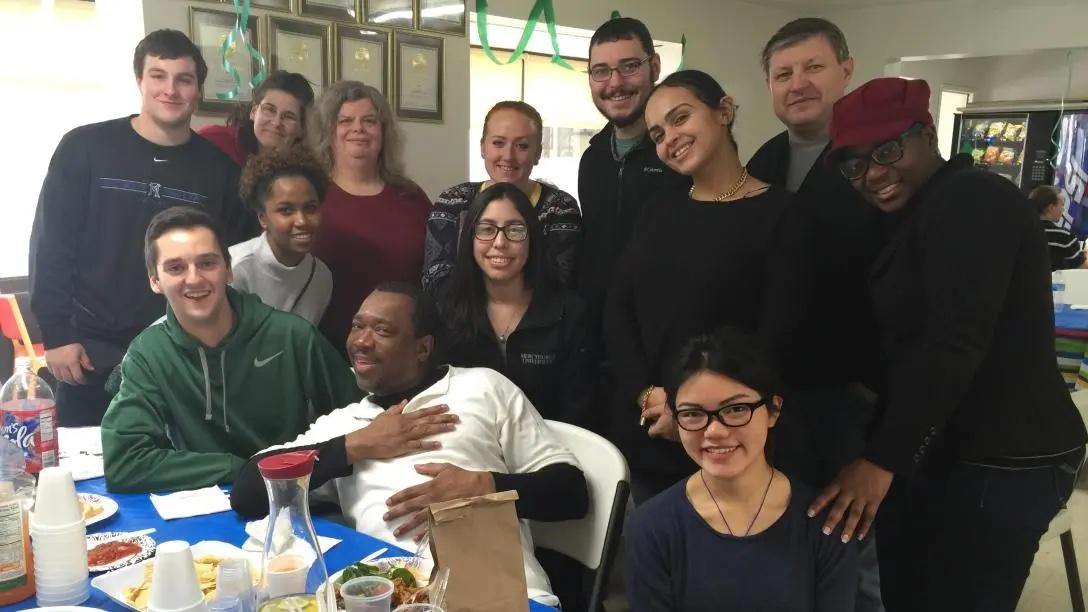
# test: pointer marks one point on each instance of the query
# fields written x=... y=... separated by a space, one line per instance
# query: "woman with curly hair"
x=285 y=188
x=374 y=215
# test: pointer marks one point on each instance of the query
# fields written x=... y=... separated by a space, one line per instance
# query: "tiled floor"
x=1046 y=589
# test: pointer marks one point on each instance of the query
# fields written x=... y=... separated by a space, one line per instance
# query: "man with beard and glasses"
x=620 y=170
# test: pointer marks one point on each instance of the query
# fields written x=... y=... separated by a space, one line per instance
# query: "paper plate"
x=96 y=508
x=146 y=544
x=64 y=609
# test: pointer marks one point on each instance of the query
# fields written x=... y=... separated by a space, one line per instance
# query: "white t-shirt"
x=500 y=431
x=304 y=289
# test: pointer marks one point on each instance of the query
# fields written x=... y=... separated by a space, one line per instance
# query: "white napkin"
x=257 y=529
x=191 y=503
x=80 y=450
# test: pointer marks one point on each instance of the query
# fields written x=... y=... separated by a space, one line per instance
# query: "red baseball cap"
x=879 y=111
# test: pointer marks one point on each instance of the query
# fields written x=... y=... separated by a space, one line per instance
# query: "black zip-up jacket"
x=838 y=340
x=962 y=297
x=550 y=356
x=105 y=182
x=612 y=192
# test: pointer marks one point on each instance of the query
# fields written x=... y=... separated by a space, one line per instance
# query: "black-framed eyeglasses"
x=514 y=232
x=885 y=154
x=626 y=68
x=694 y=418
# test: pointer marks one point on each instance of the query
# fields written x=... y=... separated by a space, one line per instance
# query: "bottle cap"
x=283 y=466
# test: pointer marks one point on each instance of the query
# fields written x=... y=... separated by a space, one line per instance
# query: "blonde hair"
x=527 y=111
x=322 y=129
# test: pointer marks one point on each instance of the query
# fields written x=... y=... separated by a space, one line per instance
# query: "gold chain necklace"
x=722 y=514
x=728 y=193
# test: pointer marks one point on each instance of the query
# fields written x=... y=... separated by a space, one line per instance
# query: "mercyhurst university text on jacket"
x=189 y=416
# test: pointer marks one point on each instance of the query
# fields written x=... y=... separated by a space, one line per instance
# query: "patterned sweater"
x=558 y=213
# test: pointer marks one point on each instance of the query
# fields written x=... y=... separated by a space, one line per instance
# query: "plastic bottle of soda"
x=28 y=417
x=16 y=498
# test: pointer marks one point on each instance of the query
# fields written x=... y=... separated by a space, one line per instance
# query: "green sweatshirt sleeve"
x=329 y=378
x=136 y=451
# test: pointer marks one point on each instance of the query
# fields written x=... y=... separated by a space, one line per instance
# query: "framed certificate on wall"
x=209 y=29
x=442 y=16
x=390 y=13
x=361 y=53
x=418 y=76
x=302 y=47
x=345 y=10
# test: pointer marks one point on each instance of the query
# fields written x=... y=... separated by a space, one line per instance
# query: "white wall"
x=1037 y=76
x=435 y=153
x=724 y=39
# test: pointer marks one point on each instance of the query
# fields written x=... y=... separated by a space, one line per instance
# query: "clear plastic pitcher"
x=293 y=574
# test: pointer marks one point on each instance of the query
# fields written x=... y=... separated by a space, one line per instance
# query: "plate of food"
x=130 y=586
x=115 y=549
x=410 y=576
x=96 y=508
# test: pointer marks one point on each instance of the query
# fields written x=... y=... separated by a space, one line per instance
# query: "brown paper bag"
x=479 y=540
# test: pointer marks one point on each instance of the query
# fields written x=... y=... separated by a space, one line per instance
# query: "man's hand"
x=448 y=482
x=68 y=362
x=657 y=412
x=857 y=490
x=393 y=433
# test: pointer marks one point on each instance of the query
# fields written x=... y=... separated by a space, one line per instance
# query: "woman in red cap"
x=726 y=252
x=978 y=438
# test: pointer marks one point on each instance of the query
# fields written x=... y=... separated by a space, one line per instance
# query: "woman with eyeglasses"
x=275 y=119
x=504 y=310
x=511 y=146
x=727 y=251
x=735 y=534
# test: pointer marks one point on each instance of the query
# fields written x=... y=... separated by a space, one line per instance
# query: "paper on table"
x=256 y=531
x=80 y=450
x=191 y=503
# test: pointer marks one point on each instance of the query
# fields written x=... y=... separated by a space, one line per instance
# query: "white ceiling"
x=816 y=5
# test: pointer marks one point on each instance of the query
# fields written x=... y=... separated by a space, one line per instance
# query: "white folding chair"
x=592 y=540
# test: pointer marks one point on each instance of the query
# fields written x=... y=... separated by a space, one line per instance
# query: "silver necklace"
x=722 y=514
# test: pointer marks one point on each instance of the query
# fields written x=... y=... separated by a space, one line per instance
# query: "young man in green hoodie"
x=219 y=378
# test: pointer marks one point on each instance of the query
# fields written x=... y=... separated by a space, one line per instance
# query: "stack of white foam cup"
x=57 y=530
x=174 y=585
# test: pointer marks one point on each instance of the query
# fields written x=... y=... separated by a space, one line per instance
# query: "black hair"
x=292 y=83
x=1043 y=197
x=800 y=30
x=169 y=44
x=424 y=313
x=262 y=170
x=464 y=303
x=704 y=88
x=174 y=218
x=731 y=353
x=623 y=28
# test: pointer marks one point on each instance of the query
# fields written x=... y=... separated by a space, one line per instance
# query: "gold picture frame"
x=208 y=29
x=362 y=53
x=397 y=14
x=441 y=16
x=417 y=76
x=300 y=46
x=343 y=10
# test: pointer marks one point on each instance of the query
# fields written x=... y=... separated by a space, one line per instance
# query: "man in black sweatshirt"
x=429 y=433
x=88 y=288
x=978 y=439
x=620 y=170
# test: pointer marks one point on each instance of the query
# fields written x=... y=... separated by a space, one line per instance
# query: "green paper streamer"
x=241 y=9
x=683 y=51
x=540 y=7
x=615 y=15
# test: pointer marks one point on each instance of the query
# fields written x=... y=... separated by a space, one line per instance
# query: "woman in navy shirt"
x=735 y=535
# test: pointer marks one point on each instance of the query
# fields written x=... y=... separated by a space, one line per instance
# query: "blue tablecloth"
x=136 y=512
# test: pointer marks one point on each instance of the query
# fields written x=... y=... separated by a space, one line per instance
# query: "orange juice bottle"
x=16 y=562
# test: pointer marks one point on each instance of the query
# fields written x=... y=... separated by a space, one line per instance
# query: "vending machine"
x=1018 y=145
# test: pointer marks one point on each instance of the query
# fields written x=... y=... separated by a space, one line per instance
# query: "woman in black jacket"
x=504 y=310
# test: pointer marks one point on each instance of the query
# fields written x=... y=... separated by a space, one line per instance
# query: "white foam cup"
x=55 y=503
x=174 y=586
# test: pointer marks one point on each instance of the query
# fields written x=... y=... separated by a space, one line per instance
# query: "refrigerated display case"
x=1015 y=145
